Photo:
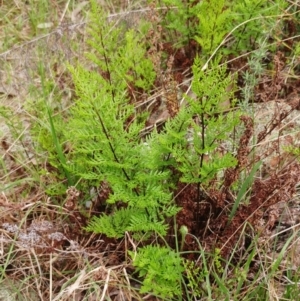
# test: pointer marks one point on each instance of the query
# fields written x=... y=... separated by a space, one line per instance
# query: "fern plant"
x=260 y=14
x=104 y=131
x=210 y=125
x=212 y=22
x=181 y=18
x=161 y=269
x=106 y=146
x=213 y=25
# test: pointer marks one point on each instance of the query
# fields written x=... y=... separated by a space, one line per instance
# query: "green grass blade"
x=247 y=183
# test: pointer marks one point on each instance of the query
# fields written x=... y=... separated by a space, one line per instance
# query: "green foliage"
x=209 y=126
x=247 y=183
x=195 y=278
x=161 y=269
x=253 y=75
x=214 y=21
x=104 y=133
x=120 y=56
x=217 y=261
x=126 y=219
x=293 y=150
x=47 y=131
x=292 y=289
x=181 y=19
x=257 y=21
x=207 y=22
x=104 y=130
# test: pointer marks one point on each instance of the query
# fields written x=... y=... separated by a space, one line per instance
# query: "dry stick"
x=105 y=285
x=38 y=285
x=64 y=13
x=50 y=277
x=76 y=284
x=127 y=278
x=285 y=230
x=132 y=244
x=280 y=129
x=71 y=288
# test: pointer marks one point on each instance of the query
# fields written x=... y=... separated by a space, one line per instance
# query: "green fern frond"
x=142 y=223
x=114 y=225
x=126 y=219
x=161 y=269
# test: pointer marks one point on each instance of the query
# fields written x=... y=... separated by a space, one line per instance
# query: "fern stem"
x=107 y=67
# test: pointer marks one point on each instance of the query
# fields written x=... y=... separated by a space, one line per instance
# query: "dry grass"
x=47 y=257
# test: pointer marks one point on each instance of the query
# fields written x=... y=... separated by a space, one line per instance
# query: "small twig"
x=38 y=285
x=50 y=277
x=64 y=13
x=105 y=285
